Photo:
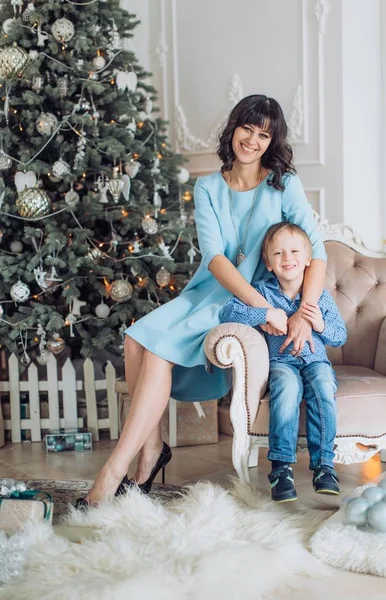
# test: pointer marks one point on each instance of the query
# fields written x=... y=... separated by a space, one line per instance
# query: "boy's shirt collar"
x=273 y=282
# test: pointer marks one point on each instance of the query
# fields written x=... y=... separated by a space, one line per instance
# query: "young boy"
x=287 y=251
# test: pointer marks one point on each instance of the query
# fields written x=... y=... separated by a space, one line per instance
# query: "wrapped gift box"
x=66 y=440
x=224 y=420
x=183 y=423
x=25 y=507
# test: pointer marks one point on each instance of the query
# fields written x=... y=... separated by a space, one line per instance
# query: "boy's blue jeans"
x=288 y=384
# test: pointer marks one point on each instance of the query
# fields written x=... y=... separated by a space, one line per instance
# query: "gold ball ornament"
x=56 y=344
x=33 y=203
x=46 y=123
x=13 y=61
x=63 y=30
x=163 y=277
x=19 y=292
x=149 y=225
x=121 y=290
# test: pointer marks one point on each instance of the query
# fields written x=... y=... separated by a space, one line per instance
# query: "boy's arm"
x=334 y=332
x=236 y=311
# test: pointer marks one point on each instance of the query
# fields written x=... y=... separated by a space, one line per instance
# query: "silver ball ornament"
x=46 y=123
x=60 y=168
x=163 y=277
x=102 y=310
x=33 y=54
x=16 y=246
x=373 y=495
x=63 y=30
x=71 y=198
x=5 y=162
x=121 y=290
x=19 y=292
x=13 y=61
x=150 y=225
x=356 y=511
x=376 y=516
x=56 y=344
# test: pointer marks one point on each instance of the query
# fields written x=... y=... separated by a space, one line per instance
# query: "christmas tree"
x=94 y=203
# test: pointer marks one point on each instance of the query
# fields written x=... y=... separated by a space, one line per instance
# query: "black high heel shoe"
x=145 y=487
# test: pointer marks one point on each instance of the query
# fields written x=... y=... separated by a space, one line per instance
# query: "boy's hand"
x=312 y=313
x=277 y=318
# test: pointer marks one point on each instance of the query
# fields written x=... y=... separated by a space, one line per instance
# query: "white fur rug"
x=210 y=544
x=347 y=547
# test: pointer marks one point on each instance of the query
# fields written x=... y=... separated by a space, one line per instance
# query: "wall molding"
x=187 y=143
x=321 y=191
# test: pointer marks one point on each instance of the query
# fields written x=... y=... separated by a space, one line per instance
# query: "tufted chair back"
x=358 y=285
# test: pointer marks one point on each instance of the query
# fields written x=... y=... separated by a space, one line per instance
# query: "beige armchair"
x=356 y=277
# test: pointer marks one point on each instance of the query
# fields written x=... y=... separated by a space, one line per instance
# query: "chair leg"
x=240 y=463
x=254 y=457
x=383 y=455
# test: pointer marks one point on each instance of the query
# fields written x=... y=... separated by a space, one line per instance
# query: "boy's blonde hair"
x=277 y=228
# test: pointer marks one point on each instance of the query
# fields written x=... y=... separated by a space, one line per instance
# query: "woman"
x=164 y=355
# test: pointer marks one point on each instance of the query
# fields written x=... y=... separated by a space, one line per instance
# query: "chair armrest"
x=245 y=350
x=380 y=355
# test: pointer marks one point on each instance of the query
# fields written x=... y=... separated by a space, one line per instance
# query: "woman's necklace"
x=240 y=255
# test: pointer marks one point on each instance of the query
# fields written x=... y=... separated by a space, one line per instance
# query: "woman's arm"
x=230 y=278
x=296 y=209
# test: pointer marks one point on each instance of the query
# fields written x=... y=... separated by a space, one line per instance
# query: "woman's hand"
x=299 y=332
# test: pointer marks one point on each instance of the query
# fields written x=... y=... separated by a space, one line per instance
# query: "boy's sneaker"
x=282 y=484
x=326 y=481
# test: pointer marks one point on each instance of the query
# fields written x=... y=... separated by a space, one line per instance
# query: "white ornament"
x=40 y=277
x=19 y=292
x=76 y=306
x=63 y=30
x=126 y=80
x=191 y=253
x=132 y=126
x=102 y=184
x=25 y=180
x=8 y=24
x=70 y=321
x=148 y=104
x=33 y=54
x=126 y=187
x=60 y=168
x=99 y=62
x=16 y=246
x=102 y=311
x=132 y=168
x=71 y=198
x=183 y=175
x=43 y=357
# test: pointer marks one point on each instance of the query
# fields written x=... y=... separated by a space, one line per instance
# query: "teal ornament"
x=356 y=511
x=373 y=495
x=376 y=516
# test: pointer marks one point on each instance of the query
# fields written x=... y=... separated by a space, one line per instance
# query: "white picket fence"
x=69 y=386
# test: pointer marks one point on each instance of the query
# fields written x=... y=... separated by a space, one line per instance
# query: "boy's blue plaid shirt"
x=334 y=333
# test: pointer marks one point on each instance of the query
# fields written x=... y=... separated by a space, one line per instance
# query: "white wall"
x=311 y=55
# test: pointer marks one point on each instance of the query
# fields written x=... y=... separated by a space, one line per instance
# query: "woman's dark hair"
x=267 y=114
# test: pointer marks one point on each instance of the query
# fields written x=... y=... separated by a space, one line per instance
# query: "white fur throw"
x=210 y=544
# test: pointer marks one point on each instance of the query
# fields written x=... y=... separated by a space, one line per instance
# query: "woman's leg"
x=150 y=397
x=152 y=447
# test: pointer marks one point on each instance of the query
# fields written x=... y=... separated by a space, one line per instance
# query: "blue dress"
x=176 y=331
